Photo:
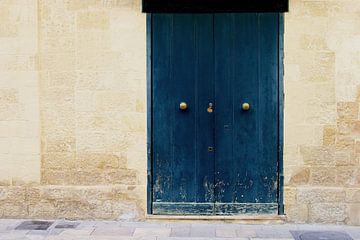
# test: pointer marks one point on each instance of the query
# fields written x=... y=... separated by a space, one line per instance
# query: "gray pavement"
x=113 y=230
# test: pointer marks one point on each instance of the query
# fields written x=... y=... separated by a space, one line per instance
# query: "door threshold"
x=231 y=218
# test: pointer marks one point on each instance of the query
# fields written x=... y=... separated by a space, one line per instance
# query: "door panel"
x=183 y=168
x=246 y=71
x=227 y=60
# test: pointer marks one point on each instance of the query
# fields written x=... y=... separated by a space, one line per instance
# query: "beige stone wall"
x=91 y=60
x=92 y=64
x=73 y=110
x=19 y=94
x=322 y=125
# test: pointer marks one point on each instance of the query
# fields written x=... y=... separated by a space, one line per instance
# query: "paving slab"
x=247 y=233
x=226 y=232
x=180 y=231
x=115 y=230
x=202 y=231
x=152 y=232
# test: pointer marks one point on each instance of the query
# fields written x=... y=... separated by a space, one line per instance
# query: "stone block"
x=315 y=9
x=60 y=80
x=93 y=80
x=313 y=42
x=323 y=176
x=315 y=156
x=298 y=213
x=56 y=177
x=344 y=143
x=93 y=20
x=90 y=41
x=96 y=61
x=116 y=101
x=26 y=169
x=137 y=158
x=348 y=110
x=100 y=161
x=104 y=141
x=345 y=158
x=327 y=213
x=320 y=195
x=125 y=122
x=58 y=45
x=9 y=30
x=353 y=195
x=76 y=5
x=85 y=102
x=301 y=177
x=123 y=5
x=141 y=105
x=344 y=126
x=357 y=146
x=121 y=176
x=58 y=62
x=54 y=143
x=329 y=135
x=353 y=214
x=346 y=176
x=320 y=66
x=58 y=161
x=13 y=210
x=16 y=63
x=133 y=122
x=290 y=195
x=25 y=146
x=297 y=135
x=5 y=144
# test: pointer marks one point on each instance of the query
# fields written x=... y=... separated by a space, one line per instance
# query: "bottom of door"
x=169 y=208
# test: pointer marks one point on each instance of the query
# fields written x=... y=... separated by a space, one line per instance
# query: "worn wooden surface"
x=246 y=56
x=224 y=59
x=182 y=166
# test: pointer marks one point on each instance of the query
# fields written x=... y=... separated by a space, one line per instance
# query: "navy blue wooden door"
x=214 y=113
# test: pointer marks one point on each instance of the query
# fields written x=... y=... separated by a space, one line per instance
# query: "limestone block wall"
x=19 y=94
x=84 y=62
x=322 y=125
x=73 y=110
x=93 y=91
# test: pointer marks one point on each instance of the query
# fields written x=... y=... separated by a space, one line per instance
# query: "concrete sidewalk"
x=112 y=230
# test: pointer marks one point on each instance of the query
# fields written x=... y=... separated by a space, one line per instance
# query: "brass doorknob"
x=245 y=106
x=210 y=108
x=183 y=106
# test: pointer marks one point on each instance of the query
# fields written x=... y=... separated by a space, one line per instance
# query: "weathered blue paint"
x=182 y=166
x=246 y=71
x=224 y=59
x=281 y=114
x=149 y=112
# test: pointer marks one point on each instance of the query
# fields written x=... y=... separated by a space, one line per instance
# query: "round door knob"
x=245 y=106
x=183 y=106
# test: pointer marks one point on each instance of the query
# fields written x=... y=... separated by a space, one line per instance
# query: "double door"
x=215 y=113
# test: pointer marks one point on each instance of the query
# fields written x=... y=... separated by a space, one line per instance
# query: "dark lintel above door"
x=214 y=6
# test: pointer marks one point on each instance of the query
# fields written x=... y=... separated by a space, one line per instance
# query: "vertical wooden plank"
x=149 y=111
x=281 y=113
x=224 y=75
x=193 y=80
x=162 y=109
x=204 y=96
x=246 y=48
x=247 y=185
x=182 y=72
x=269 y=114
x=184 y=132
